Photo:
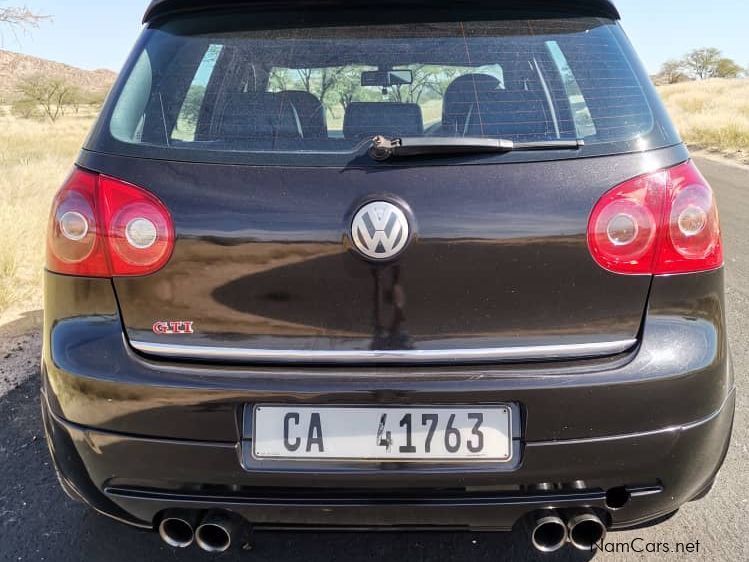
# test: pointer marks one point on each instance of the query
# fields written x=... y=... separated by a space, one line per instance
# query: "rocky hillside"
x=14 y=66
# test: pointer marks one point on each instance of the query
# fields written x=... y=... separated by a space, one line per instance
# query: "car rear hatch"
x=256 y=141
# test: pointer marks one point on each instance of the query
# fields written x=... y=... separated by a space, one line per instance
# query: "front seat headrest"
x=310 y=111
x=368 y=119
x=462 y=97
x=258 y=116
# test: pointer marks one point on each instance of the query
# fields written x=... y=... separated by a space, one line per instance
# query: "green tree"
x=728 y=68
x=74 y=99
x=706 y=63
x=423 y=77
x=702 y=63
x=51 y=94
x=349 y=86
x=330 y=85
x=305 y=76
x=672 y=72
x=278 y=80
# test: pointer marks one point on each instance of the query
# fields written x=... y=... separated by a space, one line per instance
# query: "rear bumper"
x=133 y=479
x=133 y=436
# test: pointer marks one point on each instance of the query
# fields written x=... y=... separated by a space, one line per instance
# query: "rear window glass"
x=328 y=91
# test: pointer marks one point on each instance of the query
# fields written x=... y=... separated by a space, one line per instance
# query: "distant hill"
x=14 y=67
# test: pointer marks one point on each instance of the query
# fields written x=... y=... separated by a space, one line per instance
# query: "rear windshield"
x=319 y=95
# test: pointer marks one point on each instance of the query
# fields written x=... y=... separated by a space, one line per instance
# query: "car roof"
x=601 y=8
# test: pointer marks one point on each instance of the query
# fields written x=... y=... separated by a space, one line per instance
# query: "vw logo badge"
x=380 y=230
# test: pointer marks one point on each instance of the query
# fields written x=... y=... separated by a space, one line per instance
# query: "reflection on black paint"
x=500 y=258
x=389 y=309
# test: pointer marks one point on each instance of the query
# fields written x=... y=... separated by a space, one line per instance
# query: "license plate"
x=383 y=434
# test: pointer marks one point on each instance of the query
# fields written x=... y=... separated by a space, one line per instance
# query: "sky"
x=95 y=34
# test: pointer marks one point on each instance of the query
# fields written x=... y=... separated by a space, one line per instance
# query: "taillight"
x=104 y=227
x=659 y=223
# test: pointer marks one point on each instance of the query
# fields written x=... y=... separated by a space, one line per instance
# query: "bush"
x=26 y=109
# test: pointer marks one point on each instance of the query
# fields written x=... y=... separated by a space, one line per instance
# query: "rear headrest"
x=311 y=112
x=476 y=106
x=258 y=115
x=518 y=115
x=367 y=119
x=461 y=98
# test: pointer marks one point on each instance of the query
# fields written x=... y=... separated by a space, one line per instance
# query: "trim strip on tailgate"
x=442 y=356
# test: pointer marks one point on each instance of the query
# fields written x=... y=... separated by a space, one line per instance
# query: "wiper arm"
x=384 y=148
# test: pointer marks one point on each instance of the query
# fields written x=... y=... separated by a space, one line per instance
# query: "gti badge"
x=380 y=230
x=173 y=328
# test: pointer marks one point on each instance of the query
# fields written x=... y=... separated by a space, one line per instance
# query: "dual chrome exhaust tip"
x=549 y=532
x=214 y=531
x=582 y=528
x=211 y=531
x=586 y=530
x=177 y=530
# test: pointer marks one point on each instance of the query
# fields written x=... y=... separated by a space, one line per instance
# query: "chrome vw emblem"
x=380 y=230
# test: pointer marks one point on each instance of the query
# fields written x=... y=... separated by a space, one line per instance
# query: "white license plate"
x=383 y=434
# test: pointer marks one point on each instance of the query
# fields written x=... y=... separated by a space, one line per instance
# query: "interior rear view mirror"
x=386 y=78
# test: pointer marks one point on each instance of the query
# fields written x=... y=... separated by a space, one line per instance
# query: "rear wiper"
x=384 y=148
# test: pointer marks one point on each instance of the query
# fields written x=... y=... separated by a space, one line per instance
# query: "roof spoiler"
x=538 y=8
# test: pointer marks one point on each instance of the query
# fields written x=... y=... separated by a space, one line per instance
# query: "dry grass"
x=713 y=114
x=35 y=158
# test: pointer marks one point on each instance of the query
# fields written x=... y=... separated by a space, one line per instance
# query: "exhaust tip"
x=176 y=532
x=586 y=530
x=549 y=533
x=213 y=537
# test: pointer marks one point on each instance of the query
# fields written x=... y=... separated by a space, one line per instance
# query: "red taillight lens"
x=77 y=255
x=660 y=223
x=139 y=228
x=624 y=225
x=103 y=227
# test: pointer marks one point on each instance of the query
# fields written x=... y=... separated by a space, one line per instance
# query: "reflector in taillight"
x=103 y=227
x=659 y=223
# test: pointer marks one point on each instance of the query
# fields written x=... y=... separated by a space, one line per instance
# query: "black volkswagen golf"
x=376 y=265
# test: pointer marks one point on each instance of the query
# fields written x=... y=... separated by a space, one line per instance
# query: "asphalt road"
x=37 y=522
